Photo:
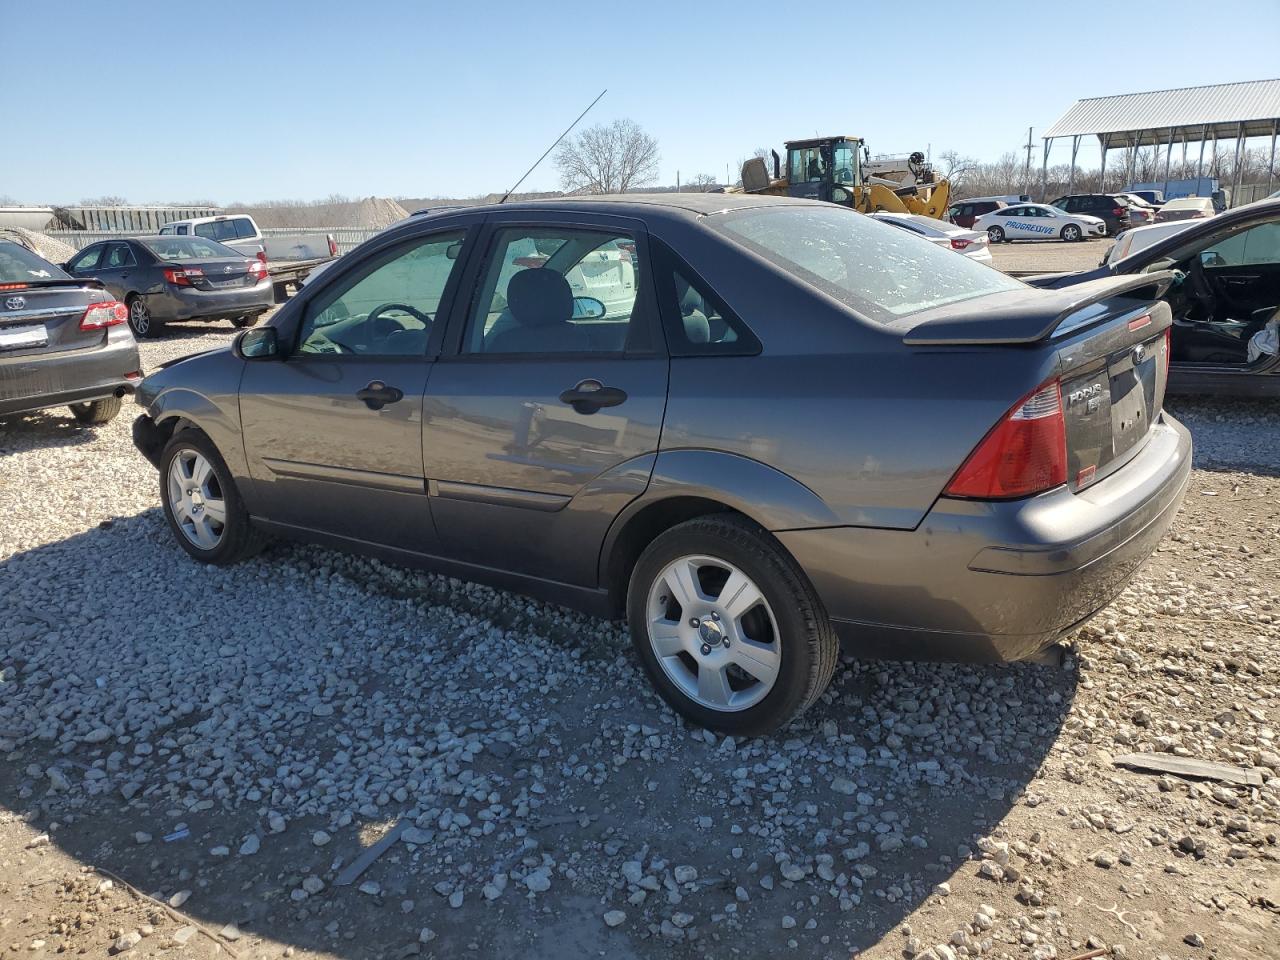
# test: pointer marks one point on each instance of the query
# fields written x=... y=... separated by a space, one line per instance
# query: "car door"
x=1015 y=222
x=333 y=430
x=1244 y=272
x=118 y=264
x=543 y=414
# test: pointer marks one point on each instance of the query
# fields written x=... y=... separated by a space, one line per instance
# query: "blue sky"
x=279 y=99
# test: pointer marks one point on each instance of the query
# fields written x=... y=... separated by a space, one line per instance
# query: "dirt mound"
x=55 y=251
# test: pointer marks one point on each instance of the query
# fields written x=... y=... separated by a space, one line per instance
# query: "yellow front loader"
x=832 y=169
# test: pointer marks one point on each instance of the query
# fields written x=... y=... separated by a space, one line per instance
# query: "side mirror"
x=587 y=308
x=261 y=343
x=453 y=250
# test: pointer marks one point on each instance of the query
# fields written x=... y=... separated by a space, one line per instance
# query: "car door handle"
x=377 y=395
x=590 y=395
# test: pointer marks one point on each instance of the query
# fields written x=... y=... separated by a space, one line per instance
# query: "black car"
x=1223 y=285
x=1108 y=207
x=177 y=278
x=62 y=340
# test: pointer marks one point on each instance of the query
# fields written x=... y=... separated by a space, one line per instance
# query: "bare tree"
x=702 y=183
x=107 y=201
x=608 y=158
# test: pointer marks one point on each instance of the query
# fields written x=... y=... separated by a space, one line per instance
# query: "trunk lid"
x=1110 y=341
x=48 y=318
x=215 y=273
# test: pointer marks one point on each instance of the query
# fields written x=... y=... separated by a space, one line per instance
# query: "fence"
x=346 y=238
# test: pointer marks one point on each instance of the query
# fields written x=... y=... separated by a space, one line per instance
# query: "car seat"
x=541 y=303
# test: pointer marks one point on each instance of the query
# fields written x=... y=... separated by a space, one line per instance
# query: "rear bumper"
x=38 y=381
x=983 y=581
x=181 y=303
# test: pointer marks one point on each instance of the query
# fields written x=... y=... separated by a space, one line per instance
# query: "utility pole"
x=1026 y=170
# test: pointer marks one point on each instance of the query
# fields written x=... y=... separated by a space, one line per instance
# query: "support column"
x=1235 y=174
x=1271 y=167
x=1044 y=172
x=1168 y=151
x=1103 y=186
x=1071 y=177
x=1204 y=134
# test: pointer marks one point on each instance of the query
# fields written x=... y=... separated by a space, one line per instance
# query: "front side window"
x=387 y=309
x=558 y=290
x=1257 y=245
x=877 y=271
x=807 y=165
x=88 y=260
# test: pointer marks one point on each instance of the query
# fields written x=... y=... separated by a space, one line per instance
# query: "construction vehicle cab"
x=824 y=168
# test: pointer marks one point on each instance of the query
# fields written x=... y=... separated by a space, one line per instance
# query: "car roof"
x=672 y=205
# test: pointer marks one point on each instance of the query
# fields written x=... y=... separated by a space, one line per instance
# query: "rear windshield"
x=189 y=248
x=20 y=265
x=878 y=271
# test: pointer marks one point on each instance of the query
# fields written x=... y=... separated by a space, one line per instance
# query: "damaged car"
x=1225 y=299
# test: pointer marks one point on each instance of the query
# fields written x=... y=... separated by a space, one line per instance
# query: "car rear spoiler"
x=1030 y=315
x=42 y=283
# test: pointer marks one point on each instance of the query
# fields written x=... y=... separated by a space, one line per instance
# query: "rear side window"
x=189 y=248
x=244 y=229
x=20 y=265
x=698 y=322
x=217 y=230
x=119 y=255
x=879 y=272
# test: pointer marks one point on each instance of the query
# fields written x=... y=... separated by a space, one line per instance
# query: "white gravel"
x=290 y=708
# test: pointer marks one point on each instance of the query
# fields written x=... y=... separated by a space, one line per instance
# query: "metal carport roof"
x=1220 y=111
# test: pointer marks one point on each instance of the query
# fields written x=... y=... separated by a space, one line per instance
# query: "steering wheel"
x=377 y=312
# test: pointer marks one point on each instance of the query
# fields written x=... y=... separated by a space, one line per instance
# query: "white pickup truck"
x=289 y=259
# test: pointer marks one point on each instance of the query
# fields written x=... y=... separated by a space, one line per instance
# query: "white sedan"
x=1038 y=221
x=970 y=243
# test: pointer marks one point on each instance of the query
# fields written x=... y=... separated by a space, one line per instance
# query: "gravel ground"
x=276 y=719
x=1048 y=256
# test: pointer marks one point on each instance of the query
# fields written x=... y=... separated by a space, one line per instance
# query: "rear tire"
x=143 y=325
x=248 y=320
x=995 y=234
x=202 y=504
x=1070 y=233
x=762 y=637
x=95 y=413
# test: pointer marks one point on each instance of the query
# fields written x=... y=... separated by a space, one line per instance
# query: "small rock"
x=39 y=840
x=312 y=885
x=126 y=941
x=614 y=918
x=538 y=881
x=844 y=786
x=943 y=889
x=141 y=837
x=230 y=932
x=1193 y=940
x=250 y=846
x=320 y=838
x=370 y=887
x=179 y=898
x=788 y=922
x=685 y=874
x=220 y=851
x=275 y=822
x=183 y=934
x=98 y=735
x=426 y=935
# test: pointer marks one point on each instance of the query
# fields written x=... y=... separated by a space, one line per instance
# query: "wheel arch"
x=693 y=483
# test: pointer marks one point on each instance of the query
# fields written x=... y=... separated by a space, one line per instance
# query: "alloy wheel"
x=196 y=499
x=713 y=633
x=139 y=316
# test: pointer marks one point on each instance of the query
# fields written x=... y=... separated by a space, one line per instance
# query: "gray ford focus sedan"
x=755 y=427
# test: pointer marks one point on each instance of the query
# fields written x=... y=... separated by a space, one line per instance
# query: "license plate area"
x=221 y=284
x=1133 y=394
x=17 y=338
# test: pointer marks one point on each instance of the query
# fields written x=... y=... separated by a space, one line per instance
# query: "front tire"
x=995 y=234
x=96 y=412
x=141 y=322
x=202 y=504
x=728 y=628
x=1070 y=233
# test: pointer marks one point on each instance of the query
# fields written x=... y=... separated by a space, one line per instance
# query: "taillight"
x=333 y=246
x=100 y=315
x=257 y=271
x=262 y=255
x=960 y=244
x=1118 y=211
x=1025 y=453
x=13 y=286
x=1168 y=350
x=183 y=276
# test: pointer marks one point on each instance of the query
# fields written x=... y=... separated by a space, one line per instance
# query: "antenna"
x=552 y=147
